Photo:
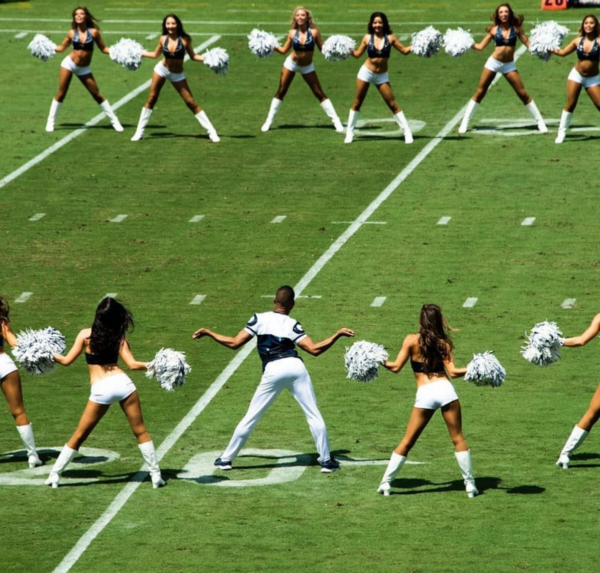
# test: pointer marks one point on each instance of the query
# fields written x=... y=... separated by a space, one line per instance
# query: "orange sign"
x=554 y=4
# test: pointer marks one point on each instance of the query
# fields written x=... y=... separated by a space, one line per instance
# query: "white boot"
x=275 y=105
x=105 y=107
x=535 y=113
x=469 y=113
x=149 y=455
x=66 y=455
x=352 y=121
x=54 y=109
x=142 y=123
x=394 y=465
x=466 y=468
x=565 y=122
x=401 y=120
x=577 y=436
x=330 y=111
x=205 y=123
x=26 y=433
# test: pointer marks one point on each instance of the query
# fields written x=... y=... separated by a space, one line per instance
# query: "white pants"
x=69 y=64
x=7 y=366
x=163 y=72
x=290 y=374
x=112 y=389
x=575 y=76
x=366 y=75
x=294 y=67
x=497 y=66
x=435 y=395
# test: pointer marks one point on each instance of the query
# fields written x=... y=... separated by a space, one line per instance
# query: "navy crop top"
x=87 y=44
x=101 y=359
x=419 y=367
x=179 y=52
x=373 y=52
x=502 y=41
x=593 y=55
x=309 y=42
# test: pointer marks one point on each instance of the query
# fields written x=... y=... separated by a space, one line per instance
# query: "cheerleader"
x=585 y=72
x=102 y=345
x=83 y=35
x=430 y=355
x=10 y=382
x=504 y=32
x=173 y=46
x=302 y=39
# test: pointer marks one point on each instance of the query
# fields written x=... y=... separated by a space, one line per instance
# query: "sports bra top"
x=179 y=52
x=373 y=52
x=101 y=359
x=502 y=41
x=87 y=44
x=309 y=43
x=593 y=55
x=419 y=367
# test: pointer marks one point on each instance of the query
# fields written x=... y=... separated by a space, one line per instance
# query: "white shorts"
x=289 y=64
x=576 y=77
x=435 y=395
x=163 y=72
x=497 y=66
x=69 y=64
x=366 y=75
x=7 y=366
x=112 y=389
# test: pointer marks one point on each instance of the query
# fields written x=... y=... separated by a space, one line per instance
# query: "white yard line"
x=444 y=220
x=470 y=302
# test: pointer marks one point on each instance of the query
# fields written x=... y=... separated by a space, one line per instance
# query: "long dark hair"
x=386 y=25
x=111 y=323
x=513 y=19
x=180 y=31
x=596 y=25
x=435 y=344
x=4 y=309
x=90 y=20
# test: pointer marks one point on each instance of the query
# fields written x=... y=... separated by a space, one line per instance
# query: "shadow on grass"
x=576 y=458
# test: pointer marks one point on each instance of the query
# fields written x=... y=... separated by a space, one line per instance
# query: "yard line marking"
x=68 y=138
x=379 y=300
x=109 y=295
x=444 y=220
x=118 y=219
x=20 y=36
x=528 y=221
x=151 y=36
x=568 y=303
x=365 y=223
x=72 y=557
x=279 y=219
x=196 y=219
x=25 y=296
x=37 y=217
x=297 y=296
x=470 y=302
x=198 y=299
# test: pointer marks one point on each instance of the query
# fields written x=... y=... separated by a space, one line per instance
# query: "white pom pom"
x=170 y=368
x=457 y=42
x=261 y=43
x=363 y=360
x=35 y=348
x=545 y=37
x=542 y=344
x=485 y=370
x=338 y=47
x=217 y=60
x=427 y=42
x=127 y=53
x=42 y=47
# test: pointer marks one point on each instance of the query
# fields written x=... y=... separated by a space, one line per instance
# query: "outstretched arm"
x=591 y=332
x=361 y=48
x=287 y=46
x=233 y=342
x=484 y=43
x=100 y=42
x=568 y=49
x=405 y=50
x=157 y=52
x=128 y=358
x=523 y=37
x=317 y=348
x=75 y=350
x=65 y=43
x=190 y=50
x=402 y=357
x=452 y=370
x=8 y=334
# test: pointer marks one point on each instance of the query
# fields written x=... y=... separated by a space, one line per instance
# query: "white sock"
x=275 y=105
x=205 y=123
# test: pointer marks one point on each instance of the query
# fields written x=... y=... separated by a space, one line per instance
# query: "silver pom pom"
x=42 y=47
x=35 y=348
x=338 y=47
x=485 y=370
x=427 y=42
x=127 y=53
x=542 y=344
x=217 y=60
x=545 y=37
x=457 y=42
x=363 y=360
x=261 y=43
x=170 y=368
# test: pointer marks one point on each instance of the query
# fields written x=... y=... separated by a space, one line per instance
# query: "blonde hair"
x=310 y=19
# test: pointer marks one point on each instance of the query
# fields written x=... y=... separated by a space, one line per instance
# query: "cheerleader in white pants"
x=378 y=44
x=83 y=35
x=173 y=46
x=102 y=345
x=430 y=355
x=505 y=31
x=302 y=39
x=277 y=335
x=10 y=382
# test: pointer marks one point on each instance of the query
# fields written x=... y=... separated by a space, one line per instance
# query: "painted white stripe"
x=118 y=219
x=365 y=223
x=68 y=138
x=444 y=220
x=379 y=300
x=110 y=295
x=568 y=303
x=196 y=218
x=37 y=217
x=25 y=296
x=198 y=299
x=279 y=219
x=528 y=221
x=20 y=35
x=121 y=499
x=151 y=36
x=470 y=302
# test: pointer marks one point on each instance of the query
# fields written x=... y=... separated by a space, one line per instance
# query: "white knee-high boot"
x=330 y=111
x=394 y=465
x=469 y=113
x=466 y=468
x=401 y=121
x=63 y=460
x=352 y=121
x=565 y=122
x=105 y=107
x=275 y=105
x=577 y=436
x=205 y=123
x=54 y=109
x=149 y=455
x=26 y=433
x=535 y=113
x=142 y=123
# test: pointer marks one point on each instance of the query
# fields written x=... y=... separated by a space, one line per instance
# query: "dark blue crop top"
x=419 y=367
x=373 y=52
x=179 y=52
x=101 y=359
x=309 y=43
x=502 y=41
x=593 y=55
x=87 y=44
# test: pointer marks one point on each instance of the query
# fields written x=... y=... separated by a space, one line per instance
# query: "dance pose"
x=277 y=334
x=504 y=32
x=173 y=45
x=430 y=355
x=585 y=72
x=302 y=39
x=102 y=345
x=82 y=36
x=10 y=382
x=378 y=44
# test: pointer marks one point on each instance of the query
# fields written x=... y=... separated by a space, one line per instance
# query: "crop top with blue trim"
x=593 y=55
x=179 y=52
x=419 y=367
x=502 y=41
x=309 y=42
x=373 y=52
x=87 y=45
x=101 y=359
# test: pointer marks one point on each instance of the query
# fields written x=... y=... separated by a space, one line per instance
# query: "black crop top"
x=309 y=42
x=502 y=41
x=593 y=55
x=87 y=44
x=101 y=359
x=179 y=52
x=419 y=367
x=373 y=52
